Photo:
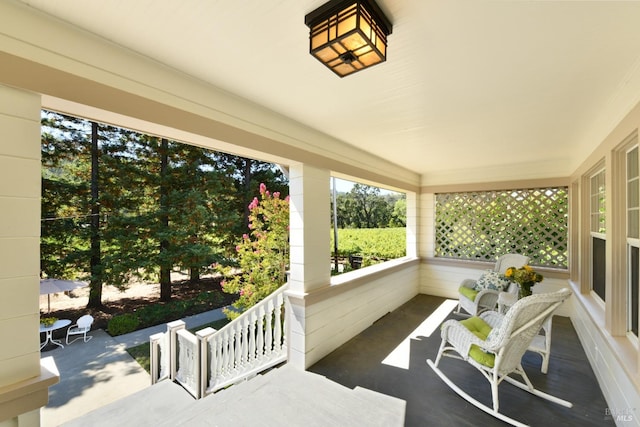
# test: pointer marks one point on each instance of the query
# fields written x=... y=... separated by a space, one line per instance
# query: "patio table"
x=48 y=330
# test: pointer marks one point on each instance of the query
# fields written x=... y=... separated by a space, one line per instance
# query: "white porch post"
x=22 y=391
x=310 y=225
x=413 y=224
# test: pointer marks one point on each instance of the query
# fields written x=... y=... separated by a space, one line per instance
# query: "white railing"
x=162 y=362
x=211 y=360
x=252 y=343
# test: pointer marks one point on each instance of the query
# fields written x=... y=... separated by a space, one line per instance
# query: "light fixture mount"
x=348 y=35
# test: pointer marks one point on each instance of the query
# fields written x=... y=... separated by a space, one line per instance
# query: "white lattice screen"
x=484 y=225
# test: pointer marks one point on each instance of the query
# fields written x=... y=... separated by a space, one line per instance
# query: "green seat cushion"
x=481 y=329
x=481 y=356
x=468 y=292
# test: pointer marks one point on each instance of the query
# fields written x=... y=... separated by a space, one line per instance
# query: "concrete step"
x=285 y=396
x=291 y=397
x=147 y=407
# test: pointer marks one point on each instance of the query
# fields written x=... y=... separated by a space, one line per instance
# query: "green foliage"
x=164 y=205
x=262 y=255
x=365 y=207
x=155 y=314
x=372 y=243
x=123 y=324
x=399 y=214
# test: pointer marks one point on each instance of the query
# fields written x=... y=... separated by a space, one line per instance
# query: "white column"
x=19 y=239
x=426 y=209
x=310 y=261
x=413 y=225
x=310 y=226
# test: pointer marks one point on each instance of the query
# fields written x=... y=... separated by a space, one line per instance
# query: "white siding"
x=19 y=234
x=334 y=320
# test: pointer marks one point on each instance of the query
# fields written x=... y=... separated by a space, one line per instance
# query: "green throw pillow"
x=477 y=326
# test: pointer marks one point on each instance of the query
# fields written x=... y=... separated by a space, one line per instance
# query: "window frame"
x=595 y=222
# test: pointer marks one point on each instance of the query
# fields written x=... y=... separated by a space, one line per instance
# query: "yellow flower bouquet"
x=525 y=277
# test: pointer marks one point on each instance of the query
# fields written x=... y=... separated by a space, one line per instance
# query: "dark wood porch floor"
x=429 y=402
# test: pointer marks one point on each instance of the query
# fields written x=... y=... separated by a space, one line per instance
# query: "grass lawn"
x=141 y=352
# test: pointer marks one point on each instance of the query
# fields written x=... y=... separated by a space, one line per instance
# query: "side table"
x=48 y=331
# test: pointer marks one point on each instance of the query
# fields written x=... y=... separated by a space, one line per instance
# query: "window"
x=368 y=225
x=598 y=229
x=633 y=239
x=484 y=225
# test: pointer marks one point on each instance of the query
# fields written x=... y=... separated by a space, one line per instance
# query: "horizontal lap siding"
x=334 y=321
x=444 y=281
x=19 y=234
x=618 y=389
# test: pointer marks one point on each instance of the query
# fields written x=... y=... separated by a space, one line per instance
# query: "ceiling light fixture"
x=348 y=35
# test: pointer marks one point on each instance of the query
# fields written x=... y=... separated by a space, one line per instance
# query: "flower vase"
x=525 y=289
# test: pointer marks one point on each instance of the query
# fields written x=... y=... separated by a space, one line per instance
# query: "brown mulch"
x=180 y=291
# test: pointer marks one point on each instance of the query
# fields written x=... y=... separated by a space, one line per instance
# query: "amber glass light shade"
x=348 y=35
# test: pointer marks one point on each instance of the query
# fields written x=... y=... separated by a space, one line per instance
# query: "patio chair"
x=81 y=327
x=494 y=344
x=476 y=296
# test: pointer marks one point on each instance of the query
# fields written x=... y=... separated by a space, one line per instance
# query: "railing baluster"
x=232 y=348
x=260 y=333
x=240 y=344
x=268 y=341
x=252 y=337
x=245 y=342
x=225 y=354
x=215 y=350
x=278 y=325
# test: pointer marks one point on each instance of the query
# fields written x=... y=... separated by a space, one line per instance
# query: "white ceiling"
x=468 y=87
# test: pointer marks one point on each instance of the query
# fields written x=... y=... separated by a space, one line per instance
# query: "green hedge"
x=159 y=313
x=378 y=243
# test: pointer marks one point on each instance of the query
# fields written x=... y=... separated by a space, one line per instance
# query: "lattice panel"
x=485 y=225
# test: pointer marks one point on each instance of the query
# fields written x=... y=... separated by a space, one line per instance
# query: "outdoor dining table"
x=48 y=330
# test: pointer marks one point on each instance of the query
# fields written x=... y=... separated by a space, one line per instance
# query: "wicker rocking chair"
x=494 y=344
x=475 y=302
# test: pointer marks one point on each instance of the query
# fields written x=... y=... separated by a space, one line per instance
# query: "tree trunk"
x=194 y=275
x=165 y=263
x=95 y=290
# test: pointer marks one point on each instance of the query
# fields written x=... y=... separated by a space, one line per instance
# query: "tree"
x=201 y=213
x=247 y=174
x=148 y=207
x=262 y=254
x=95 y=261
x=399 y=214
x=65 y=196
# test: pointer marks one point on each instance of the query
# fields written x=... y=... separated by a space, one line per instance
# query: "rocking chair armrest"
x=487 y=298
x=468 y=283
